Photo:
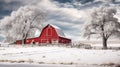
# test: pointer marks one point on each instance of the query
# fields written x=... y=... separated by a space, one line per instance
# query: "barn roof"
x=58 y=30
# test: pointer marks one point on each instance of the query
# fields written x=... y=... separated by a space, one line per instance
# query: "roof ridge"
x=58 y=30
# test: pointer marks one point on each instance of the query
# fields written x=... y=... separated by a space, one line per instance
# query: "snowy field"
x=59 y=55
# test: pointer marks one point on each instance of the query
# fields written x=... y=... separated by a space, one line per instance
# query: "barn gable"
x=57 y=29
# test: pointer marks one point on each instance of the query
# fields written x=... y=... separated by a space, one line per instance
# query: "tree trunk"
x=24 y=39
x=104 y=42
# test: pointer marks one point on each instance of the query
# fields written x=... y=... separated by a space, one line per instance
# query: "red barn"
x=50 y=34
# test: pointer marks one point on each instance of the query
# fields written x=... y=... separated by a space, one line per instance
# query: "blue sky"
x=69 y=15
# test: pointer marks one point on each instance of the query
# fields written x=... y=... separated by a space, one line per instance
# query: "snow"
x=58 y=30
x=37 y=33
x=44 y=65
x=59 y=55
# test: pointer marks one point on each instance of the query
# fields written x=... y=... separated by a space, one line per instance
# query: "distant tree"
x=103 y=23
x=21 y=22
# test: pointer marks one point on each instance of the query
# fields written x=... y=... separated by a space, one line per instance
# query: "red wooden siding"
x=49 y=34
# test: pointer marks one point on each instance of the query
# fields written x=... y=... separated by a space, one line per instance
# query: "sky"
x=69 y=15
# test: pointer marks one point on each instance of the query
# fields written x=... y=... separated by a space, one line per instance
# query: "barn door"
x=44 y=41
x=54 y=41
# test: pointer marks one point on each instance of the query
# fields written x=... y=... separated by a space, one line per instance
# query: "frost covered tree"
x=103 y=23
x=20 y=23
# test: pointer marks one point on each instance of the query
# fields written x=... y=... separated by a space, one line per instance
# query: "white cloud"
x=70 y=19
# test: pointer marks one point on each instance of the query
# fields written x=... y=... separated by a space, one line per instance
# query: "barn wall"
x=48 y=35
x=19 y=42
x=64 y=40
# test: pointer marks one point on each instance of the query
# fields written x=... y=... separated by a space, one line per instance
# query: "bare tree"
x=18 y=25
x=103 y=23
x=30 y=26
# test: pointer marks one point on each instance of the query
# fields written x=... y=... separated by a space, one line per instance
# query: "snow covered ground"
x=59 y=55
